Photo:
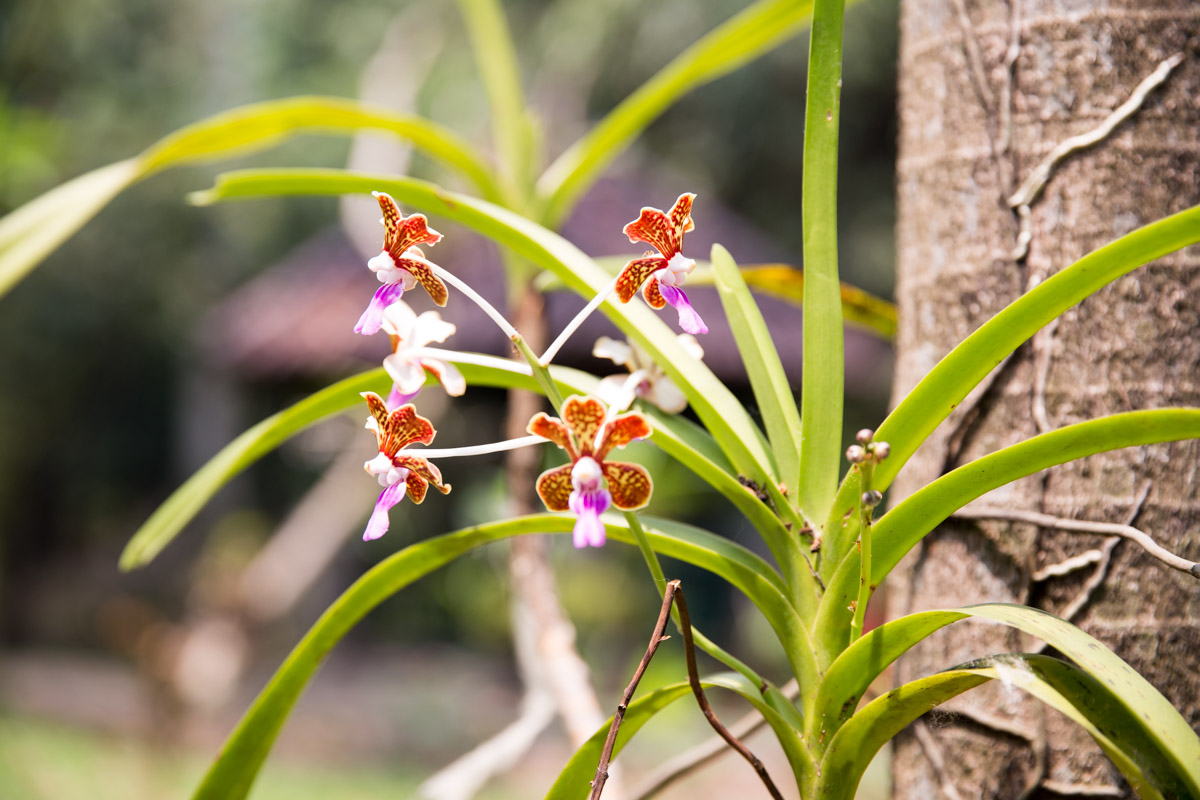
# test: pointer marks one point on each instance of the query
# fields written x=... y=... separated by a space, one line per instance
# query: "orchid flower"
x=646 y=378
x=400 y=265
x=397 y=472
x=660 y=275
x=407 y=364
x=589 y=484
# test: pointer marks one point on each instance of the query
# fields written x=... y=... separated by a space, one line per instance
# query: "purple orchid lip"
x=689 y=320
x=587 y=507
x=372 y=319
x=396 y=398
x=377 y=526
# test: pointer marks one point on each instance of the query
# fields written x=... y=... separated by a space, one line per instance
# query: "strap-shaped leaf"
x=1113 y=705
x=767 y=377
x=716 y=406
x=1086 y=701
x=1130 y=711
x=682 y=440
x=496 y=61
x=746 y=36
x=824 y=367
x=33 y=231
x=940 y=392
x=857 y=742
x=233 y=773
x=898 y=531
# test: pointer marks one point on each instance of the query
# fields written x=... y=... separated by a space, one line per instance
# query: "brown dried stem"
x=674 y=594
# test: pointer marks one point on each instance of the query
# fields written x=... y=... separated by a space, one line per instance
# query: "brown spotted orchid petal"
x=399 y=473
x=588 y=486
x=629 y=484
x=661 y=276
x=400 y=265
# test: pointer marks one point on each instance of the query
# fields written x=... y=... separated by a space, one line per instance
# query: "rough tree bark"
x=987 y=88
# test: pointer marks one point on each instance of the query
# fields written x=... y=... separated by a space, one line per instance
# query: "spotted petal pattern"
x=423 y=272
x=400 y=232
x=554 y=487
x=653 y=294
x=664 y=232
x=621 y=431
x=584 y=416
x=423 y=469
x=629 y=484
x=550 y=428
x=635 y=274
x=398 y=429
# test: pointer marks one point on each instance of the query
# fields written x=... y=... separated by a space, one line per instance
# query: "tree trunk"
x=987 y=89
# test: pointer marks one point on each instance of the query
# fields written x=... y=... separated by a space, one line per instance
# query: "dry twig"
x=674 y=594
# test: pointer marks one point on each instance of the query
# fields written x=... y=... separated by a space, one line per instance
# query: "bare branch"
x=1037 y=179
x=697 y=756
x=656 y=639
x=1083 y=526
x=694 y=678
x=674 y=594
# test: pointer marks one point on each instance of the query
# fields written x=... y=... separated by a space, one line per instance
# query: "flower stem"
x=477 y=299
x=540 y=373
x=478 y=449
x=574 y=324
x=864 y=555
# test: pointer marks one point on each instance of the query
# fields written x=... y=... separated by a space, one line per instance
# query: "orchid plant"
x=828 y=551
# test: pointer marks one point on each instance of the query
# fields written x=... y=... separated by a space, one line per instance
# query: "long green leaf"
x=1086 y=701
x=1130 y=712
x=824 y=367
x=574 y=782
x=940 y=392
x=33 y=231
x=716 y=406
x=1105 y=704
x=746 y=36
x=897 y=531
x=677 y=437
x=233 y=773
x=767 y=377
x=496 y=59
x=575 y=779
x=857 y=742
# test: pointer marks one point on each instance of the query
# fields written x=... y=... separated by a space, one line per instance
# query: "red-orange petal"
x=584 y=416
x=655 y=229
x=653 y=296
x=420 y=466
x=403 y=427
x=621 y=431
x=379 y=412
x=635 y=274
x=391 y=216
x=629 y=484
x=424 y=275
x=681 y=217
x=412 y=231
x=554 y=487
x=551 y=428
x=416 y=487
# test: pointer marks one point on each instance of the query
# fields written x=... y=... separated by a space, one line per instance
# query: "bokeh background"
x=160 y=331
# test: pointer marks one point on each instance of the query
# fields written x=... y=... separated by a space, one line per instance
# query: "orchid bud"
x=871 y=499
x=865 y=435
x=855 y=454
x=881 y=450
